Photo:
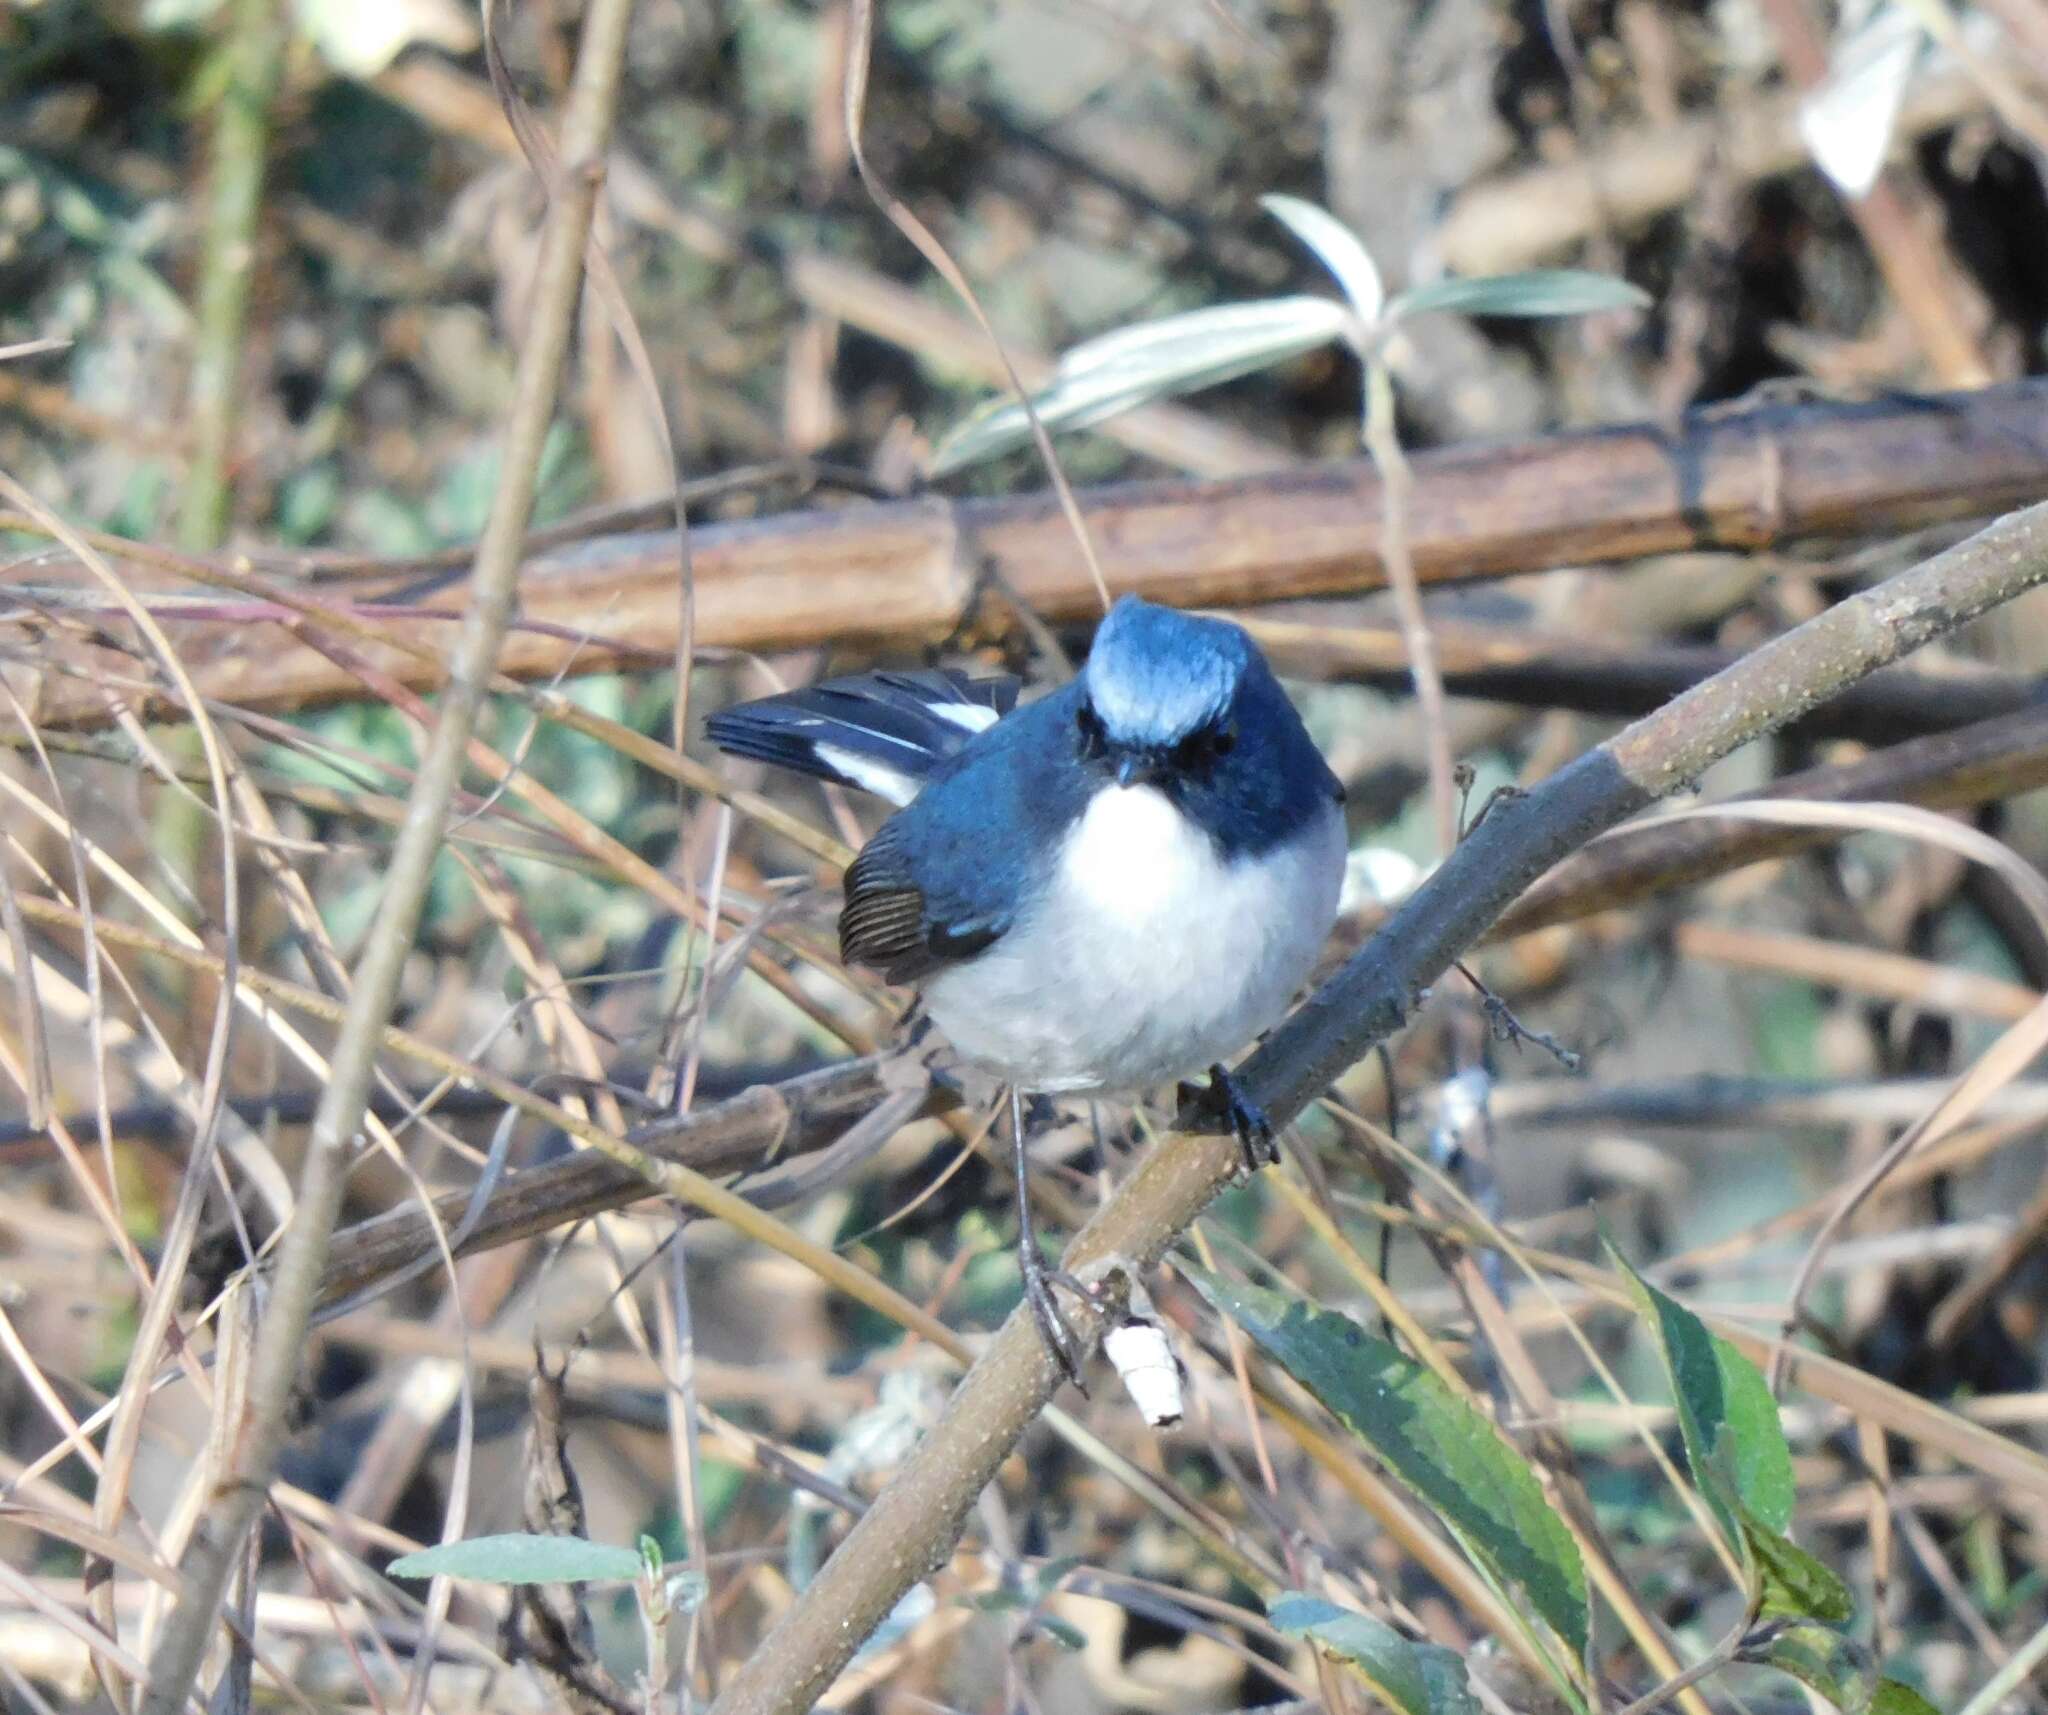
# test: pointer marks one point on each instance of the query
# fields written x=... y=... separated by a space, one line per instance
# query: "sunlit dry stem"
x=216 y=1544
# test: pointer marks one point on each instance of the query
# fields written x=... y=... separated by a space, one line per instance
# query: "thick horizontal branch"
x=906 y=573
x=748 y=1130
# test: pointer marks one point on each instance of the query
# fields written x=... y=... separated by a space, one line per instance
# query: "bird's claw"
x=1040 y=1277
x=1225 y=1104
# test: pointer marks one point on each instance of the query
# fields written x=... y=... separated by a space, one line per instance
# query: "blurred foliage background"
x=1089 y=163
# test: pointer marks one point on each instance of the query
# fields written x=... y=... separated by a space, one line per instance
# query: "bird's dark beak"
x=1133 y=768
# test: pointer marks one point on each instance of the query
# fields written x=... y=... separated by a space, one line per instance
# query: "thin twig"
x=859 y=44
x=2011 y=1677
x=253 y=59
x=204 y=1568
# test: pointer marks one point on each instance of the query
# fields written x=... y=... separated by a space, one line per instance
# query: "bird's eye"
x=1089 y=725
x=1201 y=748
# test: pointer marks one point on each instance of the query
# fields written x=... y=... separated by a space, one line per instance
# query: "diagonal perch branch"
x=914 y=1521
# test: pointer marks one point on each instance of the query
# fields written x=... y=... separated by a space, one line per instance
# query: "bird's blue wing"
x=944 y=878
x=907 y=915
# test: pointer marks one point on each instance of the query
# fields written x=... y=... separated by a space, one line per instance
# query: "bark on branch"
x=914 y=571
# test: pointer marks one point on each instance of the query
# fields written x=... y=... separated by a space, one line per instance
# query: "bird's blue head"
x=1189 y=707
x=1161 y=690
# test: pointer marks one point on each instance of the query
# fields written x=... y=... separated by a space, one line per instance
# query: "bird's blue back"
x=946 y=875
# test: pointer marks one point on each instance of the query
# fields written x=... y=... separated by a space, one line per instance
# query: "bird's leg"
x=1225 y=1104
x=1039 y=1275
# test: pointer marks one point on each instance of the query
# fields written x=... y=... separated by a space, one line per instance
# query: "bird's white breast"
x=1148 y=956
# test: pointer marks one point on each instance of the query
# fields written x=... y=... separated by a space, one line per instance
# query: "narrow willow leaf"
x=1726 y=1414
x=1067 y=1635
x=1385 y=1659
x=1136 y=365
x=1894 y=1697
x=522 y=1559
x=1446 y=1452
x=1338 y=248
x=1794 y=1583
x=1847 y=119
x=1539 y=292
x=1823 y=1660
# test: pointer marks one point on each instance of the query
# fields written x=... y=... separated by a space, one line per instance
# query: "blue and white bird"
x=1102 y=891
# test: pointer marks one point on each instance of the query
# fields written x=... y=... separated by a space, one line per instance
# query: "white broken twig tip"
x=1138 y=1350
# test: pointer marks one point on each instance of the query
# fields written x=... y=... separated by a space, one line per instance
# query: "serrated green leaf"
x=1136 y=365
x=1794 y=1584
x=1338 y=248
x=1382 y=1655
x=1726 y=1415
x=519 y=1558
x=1763 y=1461
x=1894 y=1697
x=1539 y=292
x=1450 y=1455
x=1822 y=1659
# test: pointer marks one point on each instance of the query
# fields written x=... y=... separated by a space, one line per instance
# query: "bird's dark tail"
x=880 y=732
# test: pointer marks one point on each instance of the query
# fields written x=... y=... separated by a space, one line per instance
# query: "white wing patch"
x=975 y=717
x=868 y=774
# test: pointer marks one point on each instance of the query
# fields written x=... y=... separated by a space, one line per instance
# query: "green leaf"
x=1793 y=1583
x=1894 y=1697
x=1047 y=1574
x=1444 y=1672
x=518 y=1558
x=1001 y=1601
x=1450 y=1455
x=1062 y=1632
x=1822 y=1659
x=1382 y=1655
x=1411 y=1678
x=1725 y=1413
x=1153 y=360
x=1540 y=292
x=1338 y=248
